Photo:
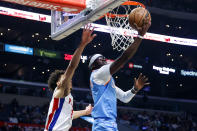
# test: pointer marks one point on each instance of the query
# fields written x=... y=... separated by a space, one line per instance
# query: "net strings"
x=121 y=32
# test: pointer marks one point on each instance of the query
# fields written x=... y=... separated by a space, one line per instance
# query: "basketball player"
x=104 y=90
x=60 y=113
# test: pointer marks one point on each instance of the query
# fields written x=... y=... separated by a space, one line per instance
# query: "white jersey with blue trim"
x=60 y=114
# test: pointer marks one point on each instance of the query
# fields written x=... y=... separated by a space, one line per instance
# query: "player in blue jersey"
x=104 y=90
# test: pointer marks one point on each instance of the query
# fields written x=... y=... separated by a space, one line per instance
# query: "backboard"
x=67 y=16
x=64 y=23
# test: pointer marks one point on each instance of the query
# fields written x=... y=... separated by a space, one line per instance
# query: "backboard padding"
x=60 y=30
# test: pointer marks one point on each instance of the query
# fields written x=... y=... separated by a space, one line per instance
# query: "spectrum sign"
x=188 y=73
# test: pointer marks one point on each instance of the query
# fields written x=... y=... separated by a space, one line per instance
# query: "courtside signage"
x=69 y=57
x=100 y=28
x=188 y=73
x=25 y=14
x=149 y=36
x=71 y=6
x=164 y=70
x=131 y=65
x=46 y=53
x=18 y=49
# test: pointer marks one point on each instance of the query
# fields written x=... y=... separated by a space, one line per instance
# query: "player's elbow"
x=125 y=56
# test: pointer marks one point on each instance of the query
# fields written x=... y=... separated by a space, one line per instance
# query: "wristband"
x=134 y=91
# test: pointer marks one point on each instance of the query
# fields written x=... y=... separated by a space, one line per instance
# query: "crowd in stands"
x=146 y=121
x=177 y=5
x=30 y=118
x=137 y=120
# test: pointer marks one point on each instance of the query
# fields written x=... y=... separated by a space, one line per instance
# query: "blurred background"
x=169 y=103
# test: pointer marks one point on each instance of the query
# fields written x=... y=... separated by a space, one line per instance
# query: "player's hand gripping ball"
x=139 y=17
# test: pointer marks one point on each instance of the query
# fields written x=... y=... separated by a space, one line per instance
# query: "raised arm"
x=130 y=51
x=87 y=37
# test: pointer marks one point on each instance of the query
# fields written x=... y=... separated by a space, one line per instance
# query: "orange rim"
x=133 y=3
x=125 y=3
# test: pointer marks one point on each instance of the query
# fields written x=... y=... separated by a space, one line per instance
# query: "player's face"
x=101 y=61
x=68 y=88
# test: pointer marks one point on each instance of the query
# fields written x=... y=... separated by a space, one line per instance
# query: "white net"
x=121 y=32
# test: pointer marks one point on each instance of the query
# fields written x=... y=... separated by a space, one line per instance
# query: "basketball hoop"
x=121 y=32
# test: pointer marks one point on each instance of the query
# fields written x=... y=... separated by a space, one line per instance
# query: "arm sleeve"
x=102 y=75
x=124 y=96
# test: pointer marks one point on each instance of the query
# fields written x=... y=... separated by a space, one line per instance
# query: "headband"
x=93 y=58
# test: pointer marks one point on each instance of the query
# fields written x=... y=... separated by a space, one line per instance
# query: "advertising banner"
x=18 y=49
x=70 y=6
x=46 y=53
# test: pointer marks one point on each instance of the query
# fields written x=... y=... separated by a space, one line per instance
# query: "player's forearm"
x=73 y=64
x=127 y=54
x=128 y=96
x=131 y=50
x=76 y=57
x=124 y=96
x=77 y=114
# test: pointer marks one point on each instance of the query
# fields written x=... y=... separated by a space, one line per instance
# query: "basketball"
x=139 y=16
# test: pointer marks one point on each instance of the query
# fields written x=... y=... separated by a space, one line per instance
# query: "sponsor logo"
x=164 y=70
x=69 y=57
x=40 y=4
x=188 y=73
x=24 y=14
x=167 y=39
x=18 y=49
x=131 y=65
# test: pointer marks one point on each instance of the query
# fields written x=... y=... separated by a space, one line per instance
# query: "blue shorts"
x=104 y=125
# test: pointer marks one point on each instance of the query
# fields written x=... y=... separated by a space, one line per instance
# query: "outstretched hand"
x=140 y=82
x=142 y=30
x=87 y=36
x=88 y=109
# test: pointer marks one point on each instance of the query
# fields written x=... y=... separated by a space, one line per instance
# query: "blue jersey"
x=105 y=102
x=105 y=94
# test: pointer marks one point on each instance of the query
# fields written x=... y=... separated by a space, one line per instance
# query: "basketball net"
x=120 y=31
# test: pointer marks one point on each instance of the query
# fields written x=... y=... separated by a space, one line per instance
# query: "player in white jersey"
x=60 y=113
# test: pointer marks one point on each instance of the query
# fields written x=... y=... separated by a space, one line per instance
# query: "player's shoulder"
x=103 y=68
x=99 y=71
x=58 y=93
